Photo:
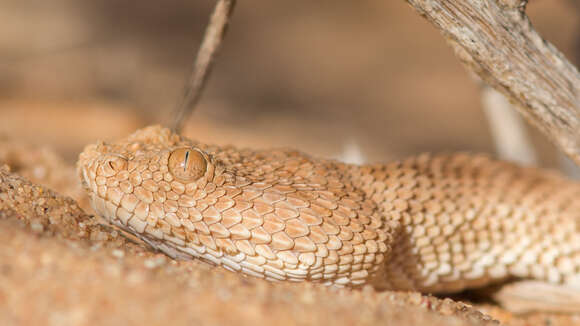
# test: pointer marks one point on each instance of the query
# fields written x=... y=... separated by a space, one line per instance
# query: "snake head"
x=278 y=215
x=149 y=176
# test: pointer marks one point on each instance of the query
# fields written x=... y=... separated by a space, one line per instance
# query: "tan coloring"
x=430 y=223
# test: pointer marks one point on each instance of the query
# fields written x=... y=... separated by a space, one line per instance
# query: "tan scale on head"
x=276 y=215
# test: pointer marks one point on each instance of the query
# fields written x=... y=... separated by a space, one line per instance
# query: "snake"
x=431 y=223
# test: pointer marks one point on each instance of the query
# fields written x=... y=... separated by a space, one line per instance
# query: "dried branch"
x=495 y=39
x=212 y=39
x=508 y=128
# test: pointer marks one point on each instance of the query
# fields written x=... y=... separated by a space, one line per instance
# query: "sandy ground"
x=318 y=77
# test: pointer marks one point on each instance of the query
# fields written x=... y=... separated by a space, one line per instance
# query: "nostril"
x=113 y=165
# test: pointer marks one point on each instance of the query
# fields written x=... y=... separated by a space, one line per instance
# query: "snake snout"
x=84 y=177
x=95 y=167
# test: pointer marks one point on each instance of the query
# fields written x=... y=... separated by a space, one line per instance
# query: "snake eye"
x=187 y=164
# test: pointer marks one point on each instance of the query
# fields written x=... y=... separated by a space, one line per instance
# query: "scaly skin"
x=430 y=223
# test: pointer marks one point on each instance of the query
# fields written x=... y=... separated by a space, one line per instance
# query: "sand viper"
x=431 y=223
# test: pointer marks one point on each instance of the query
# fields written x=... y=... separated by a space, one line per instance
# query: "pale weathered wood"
x=508 y=128
x=495 y=39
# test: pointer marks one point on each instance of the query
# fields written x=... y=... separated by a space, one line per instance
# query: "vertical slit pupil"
x=185 y=161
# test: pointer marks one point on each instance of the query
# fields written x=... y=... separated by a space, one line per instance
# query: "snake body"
x=430 y=223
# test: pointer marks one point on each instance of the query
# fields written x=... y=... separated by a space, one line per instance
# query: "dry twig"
x=495 y=39
x=212 y=39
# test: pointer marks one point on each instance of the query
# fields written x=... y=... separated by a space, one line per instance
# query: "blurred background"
x=322 y=76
